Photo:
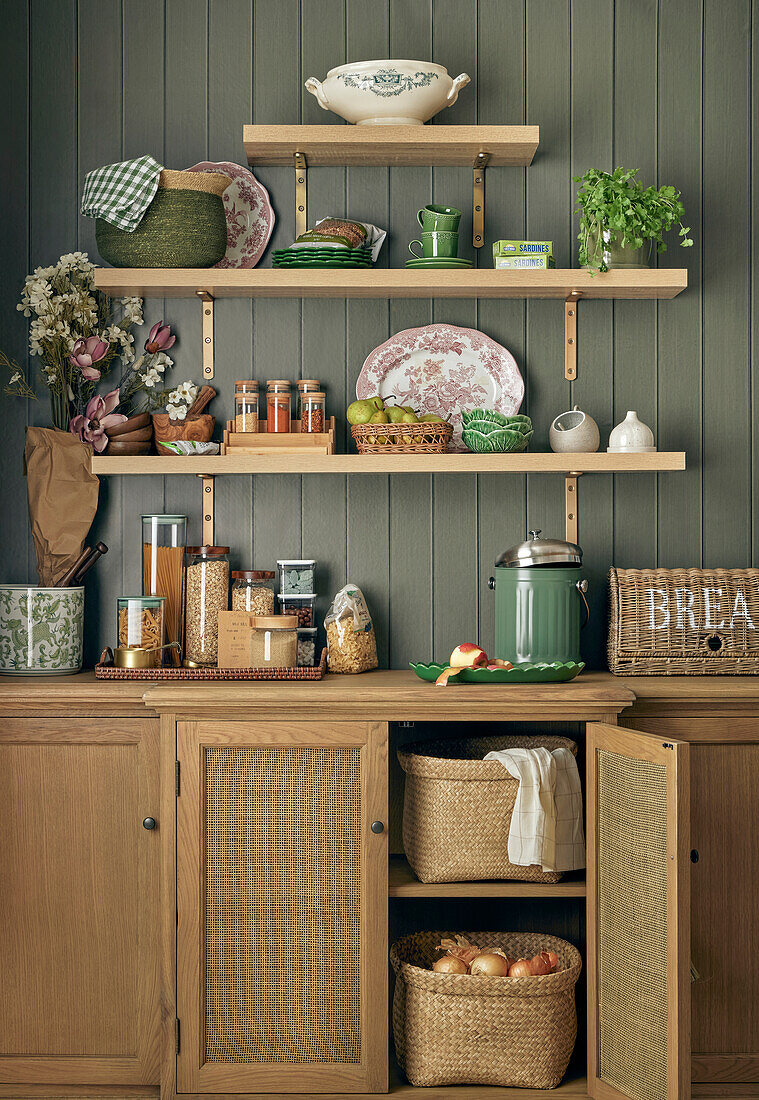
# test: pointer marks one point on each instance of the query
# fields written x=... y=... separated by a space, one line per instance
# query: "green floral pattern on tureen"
x=40 y=629
x=387 y=82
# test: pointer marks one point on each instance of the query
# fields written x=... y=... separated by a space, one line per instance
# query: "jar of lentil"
x=306 y=385
x=274 y=641
x=206 y=594
x=253 y=591
x=278 y=405
x=312 y=415
x=246 y=407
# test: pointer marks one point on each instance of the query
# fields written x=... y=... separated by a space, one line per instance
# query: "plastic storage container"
x=207 y=583
x=313 y=416
x=306 y=647
x=253 y=591
x=278 y=405
x=274 y=641
x=139 y=621
x=163 y=543
x=296 y=576
x=300 y=606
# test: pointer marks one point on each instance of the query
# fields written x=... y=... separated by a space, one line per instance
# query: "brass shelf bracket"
x=301 y=186
x=207 y=334
x=570 y=505
x=570 y=336
x=208 y=512
x=478 y=199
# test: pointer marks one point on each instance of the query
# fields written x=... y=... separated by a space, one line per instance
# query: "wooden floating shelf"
x=525 y=463
x=404 y=884
x=437 y=146
x=388 y=282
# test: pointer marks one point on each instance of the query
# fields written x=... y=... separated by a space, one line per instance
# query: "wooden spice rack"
x=294 y=442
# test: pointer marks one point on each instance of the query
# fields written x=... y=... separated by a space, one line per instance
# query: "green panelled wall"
x=666 y=85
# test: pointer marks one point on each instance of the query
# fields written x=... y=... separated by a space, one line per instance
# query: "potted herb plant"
x=620 y=218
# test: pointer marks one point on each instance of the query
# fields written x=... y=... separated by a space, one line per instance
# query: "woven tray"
x=106 y=671
x=376 y=439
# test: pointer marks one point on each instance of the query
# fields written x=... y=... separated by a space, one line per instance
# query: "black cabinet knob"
x=148 y=823
x=378 y=826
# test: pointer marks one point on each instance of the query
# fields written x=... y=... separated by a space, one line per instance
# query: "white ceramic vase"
x=387 y=93
x=631 y=436
x=574 y=430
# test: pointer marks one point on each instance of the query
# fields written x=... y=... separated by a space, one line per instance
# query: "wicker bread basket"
x=376 y=439
x=455 y=1029
x=684 y=622
x=215 y=183
x=457 y=809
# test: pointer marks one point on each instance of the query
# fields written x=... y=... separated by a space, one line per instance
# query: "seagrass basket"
x=684 y=622
x=180 y=228
x=456 y=1029
x=457 y=809
x=407 y=439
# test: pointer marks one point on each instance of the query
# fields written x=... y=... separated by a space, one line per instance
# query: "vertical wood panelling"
x=608 y=83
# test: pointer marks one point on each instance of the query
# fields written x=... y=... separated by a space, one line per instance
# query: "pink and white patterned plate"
x=250 y=217
x=446 y=370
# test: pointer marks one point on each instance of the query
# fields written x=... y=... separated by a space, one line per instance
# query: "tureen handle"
x=460 y=82
x=315 y=88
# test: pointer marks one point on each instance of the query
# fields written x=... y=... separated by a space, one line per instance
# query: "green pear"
x=432 y=418
x=360 y=412
x=408 y=409
x=395 y=414
x=379 y=417
x=409 y=418
x=377 y=402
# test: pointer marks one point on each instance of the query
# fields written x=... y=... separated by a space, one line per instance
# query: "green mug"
x=439 y=219
x=437 y=245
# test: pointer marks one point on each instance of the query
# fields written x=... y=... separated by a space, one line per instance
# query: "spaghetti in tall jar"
x=163 y=544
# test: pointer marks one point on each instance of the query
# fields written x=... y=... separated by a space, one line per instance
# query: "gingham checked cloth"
x=546 y=824
x=121 y=193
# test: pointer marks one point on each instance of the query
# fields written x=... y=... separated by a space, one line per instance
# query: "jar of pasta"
x=274 y=641
x=206 y=594
x=312 y=415
x=139 y=622
x=253 y=591
x=278 y=405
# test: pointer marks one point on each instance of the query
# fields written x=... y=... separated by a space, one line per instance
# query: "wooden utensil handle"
x=68 y=577
x=206 y=395
x=97 y=550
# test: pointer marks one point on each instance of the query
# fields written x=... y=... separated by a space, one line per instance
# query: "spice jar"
x=278 y=401
x=246 y=412
x=312 y=414
x=253 y=591
x=207 y=593
x=306 y=385
x=302 y=607
x=139 y=621
x=247 y=385
x=274 y=641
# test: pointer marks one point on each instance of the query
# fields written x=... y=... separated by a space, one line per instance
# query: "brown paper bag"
x=63 y=498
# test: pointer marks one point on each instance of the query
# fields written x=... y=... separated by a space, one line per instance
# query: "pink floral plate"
x=446 y=370
x=250 y=217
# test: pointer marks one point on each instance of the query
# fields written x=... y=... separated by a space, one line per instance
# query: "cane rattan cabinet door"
x=282 y=907
x=638 y=927
x=79 y=905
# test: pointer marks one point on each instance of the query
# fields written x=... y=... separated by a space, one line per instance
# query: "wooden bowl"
x=134 y=423
x=128 y=447
x=197 y=428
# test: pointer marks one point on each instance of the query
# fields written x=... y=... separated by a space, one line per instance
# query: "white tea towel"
x=546 y=824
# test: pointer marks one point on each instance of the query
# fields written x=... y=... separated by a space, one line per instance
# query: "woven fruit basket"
x=456 y=1029
x=408 y=439
x=457 y=809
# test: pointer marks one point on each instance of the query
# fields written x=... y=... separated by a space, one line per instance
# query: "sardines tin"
x=524 y=261
x=522 y=248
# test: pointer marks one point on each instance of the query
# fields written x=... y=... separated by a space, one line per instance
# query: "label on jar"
x=267 y=645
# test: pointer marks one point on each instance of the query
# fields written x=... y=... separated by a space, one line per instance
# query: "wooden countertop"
x=385 y=695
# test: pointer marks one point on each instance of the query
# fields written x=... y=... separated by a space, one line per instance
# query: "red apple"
x=468 y=655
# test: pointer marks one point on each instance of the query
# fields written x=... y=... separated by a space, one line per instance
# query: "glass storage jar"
x=296 y=576
x=274 y=641
x=306 y=647
x=247 y=385
x=278 y=405
x=246 y=412
x=313 y=417
x=253 y=591
x=306 y=385
x=302 y=607
x=163 y=542
x=207 y=593
x=139 y=621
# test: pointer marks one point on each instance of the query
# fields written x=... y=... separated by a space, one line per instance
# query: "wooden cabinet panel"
x=79 y=995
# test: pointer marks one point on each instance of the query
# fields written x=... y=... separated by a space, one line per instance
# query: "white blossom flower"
x=176 y=412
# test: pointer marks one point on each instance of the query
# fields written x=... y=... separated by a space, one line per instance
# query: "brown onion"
x=520 y=969
x=551 y=958
x=540 y=965
x=450 y=965
x=490 y=965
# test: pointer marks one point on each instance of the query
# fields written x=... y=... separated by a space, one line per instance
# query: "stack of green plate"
x=322 y=257
x=452 y=262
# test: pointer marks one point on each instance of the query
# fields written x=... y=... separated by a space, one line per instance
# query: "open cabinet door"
x=638 y=933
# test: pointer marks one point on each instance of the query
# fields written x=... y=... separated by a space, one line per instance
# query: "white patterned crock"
x=40 y=629
x=387 y=93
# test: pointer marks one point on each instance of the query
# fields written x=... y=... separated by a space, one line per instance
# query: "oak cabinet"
x=79 y=991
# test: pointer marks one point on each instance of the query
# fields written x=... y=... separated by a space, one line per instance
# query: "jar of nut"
x=206 y=594
x=246 y=407
x=312 y=416
x=253 y=591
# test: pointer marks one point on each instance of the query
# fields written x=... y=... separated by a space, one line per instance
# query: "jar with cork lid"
x=306 y=385
x=246 y=406
x=253 y=591
x=274 y=641
x=278 y=405
x=312 y=413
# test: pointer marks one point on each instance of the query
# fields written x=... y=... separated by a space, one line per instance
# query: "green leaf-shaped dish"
x=556 y=673
x=499 y=440
x=489 y=415
x=428 y=672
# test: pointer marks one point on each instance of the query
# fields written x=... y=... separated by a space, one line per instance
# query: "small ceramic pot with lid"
x=538 y=595
x=574 y=430
x=631 y=436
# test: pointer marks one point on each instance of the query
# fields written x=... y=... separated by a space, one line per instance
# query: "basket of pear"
x=377 y=427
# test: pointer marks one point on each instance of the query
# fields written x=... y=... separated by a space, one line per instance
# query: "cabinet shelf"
x=388 y=282
x=404 y=884
x=390 y=146
x=539 y=462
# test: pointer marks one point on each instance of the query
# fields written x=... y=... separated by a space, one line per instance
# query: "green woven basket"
x=180 y=229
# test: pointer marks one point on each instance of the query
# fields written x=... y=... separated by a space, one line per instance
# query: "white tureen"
x=387 y=93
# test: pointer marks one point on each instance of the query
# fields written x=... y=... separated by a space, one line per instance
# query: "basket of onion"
x=485 y=1008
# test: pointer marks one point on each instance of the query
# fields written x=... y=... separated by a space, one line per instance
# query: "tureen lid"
x=538 y=551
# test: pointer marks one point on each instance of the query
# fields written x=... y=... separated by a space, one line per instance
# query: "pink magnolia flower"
x=86 y=352
x=98 y=417
x=159 y=338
